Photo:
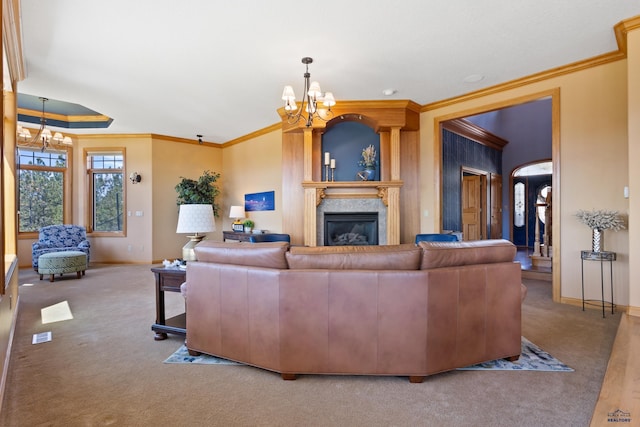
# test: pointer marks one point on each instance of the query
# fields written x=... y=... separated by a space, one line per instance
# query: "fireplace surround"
x=352 y=206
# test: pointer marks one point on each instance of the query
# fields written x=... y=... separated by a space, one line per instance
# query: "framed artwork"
x=259 y=201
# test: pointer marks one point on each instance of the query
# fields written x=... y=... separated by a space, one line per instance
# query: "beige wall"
x=254 y=166
x=592 y=171
x=633 y=93
x=169 y=162
x=161 y=162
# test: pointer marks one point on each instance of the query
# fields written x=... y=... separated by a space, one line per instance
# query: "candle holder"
x=326 y=173
x=332 y=170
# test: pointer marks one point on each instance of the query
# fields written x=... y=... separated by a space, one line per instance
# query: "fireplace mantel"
x=397 y=121
x=352 y=189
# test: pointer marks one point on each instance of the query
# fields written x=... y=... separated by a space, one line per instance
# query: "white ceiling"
x=217 y=68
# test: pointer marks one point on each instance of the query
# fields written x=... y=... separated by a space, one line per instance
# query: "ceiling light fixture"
x=310 y=99
x=43 y=136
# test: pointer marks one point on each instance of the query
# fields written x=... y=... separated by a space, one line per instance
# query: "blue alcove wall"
x=345 y=142
x=458 y=151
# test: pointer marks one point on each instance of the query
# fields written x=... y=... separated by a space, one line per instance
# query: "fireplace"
x=350 y=228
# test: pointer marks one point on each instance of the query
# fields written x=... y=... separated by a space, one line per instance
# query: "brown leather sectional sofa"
x=402 y=310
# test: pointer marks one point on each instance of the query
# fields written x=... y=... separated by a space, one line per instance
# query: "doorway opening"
x=531 y=136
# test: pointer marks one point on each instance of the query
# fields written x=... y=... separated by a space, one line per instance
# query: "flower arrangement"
x=601 y=219
x=368 y=157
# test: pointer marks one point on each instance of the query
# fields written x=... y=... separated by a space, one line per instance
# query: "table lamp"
x=194 y=219
x=237 y=213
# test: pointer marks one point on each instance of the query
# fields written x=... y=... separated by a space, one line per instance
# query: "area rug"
x=182 y=356
x=532 y=358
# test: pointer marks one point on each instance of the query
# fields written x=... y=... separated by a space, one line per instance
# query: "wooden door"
x=472 y=207
x=495 y=208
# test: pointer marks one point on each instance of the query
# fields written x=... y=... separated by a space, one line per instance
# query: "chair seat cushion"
x=62 y=262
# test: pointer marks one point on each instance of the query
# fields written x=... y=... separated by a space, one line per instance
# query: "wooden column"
x=308 y=155
x=395 y=154
x=310 y=219
x=393 y=216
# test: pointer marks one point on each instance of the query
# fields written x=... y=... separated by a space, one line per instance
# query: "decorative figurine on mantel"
x=369 y=163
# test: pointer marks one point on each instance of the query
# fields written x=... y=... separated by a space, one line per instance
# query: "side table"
x=168 y=279
x=601 y=256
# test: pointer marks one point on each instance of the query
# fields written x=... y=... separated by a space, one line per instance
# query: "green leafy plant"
x=200 y=191
x=248 y=223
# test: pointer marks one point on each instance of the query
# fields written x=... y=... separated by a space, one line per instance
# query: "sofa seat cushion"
x=268 y=255
x=384 y=257
x=452 y=254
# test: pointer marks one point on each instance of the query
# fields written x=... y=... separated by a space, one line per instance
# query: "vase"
x=370 y=172
x=597 y=240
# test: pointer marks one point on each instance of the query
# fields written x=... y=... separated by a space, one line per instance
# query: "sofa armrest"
x=84 y=244
x=41 y=245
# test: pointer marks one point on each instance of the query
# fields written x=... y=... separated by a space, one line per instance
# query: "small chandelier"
x=312 y=96
x=43 y=137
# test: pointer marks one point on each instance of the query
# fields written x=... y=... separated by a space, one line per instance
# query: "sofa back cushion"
x=388 y=257
x=452 y=254
x=269 y=255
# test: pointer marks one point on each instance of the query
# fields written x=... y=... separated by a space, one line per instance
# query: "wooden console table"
x=168 y=279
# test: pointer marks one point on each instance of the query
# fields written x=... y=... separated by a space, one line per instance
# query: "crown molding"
x=621 y=30
x=475 y=133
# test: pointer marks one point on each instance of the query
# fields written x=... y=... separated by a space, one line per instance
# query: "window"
x=105 y=172
x=542 y=202
x=43 y=188
x=518 y=204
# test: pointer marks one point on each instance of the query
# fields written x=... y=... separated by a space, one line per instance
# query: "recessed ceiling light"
x=473 y=78
x=389 y=92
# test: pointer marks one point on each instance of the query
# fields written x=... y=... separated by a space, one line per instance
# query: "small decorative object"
x=327 y=158
x=369 y=163
x=333 y=168
x=248 y=225
x=598 y=221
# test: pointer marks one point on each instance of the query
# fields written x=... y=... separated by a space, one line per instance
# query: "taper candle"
x=326 y=158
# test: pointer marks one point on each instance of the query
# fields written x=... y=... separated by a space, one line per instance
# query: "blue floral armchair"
x=60 y=238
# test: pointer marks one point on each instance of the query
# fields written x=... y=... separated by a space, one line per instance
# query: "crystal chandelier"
x=310 y=99
x=43 y=137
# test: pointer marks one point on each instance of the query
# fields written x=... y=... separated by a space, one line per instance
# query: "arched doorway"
x=531 y=212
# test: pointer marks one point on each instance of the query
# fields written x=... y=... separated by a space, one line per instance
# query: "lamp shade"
x=237 y=212
x=196 y=219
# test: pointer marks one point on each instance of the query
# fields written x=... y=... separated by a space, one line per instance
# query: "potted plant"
x=201 y=191
x=248 y=225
